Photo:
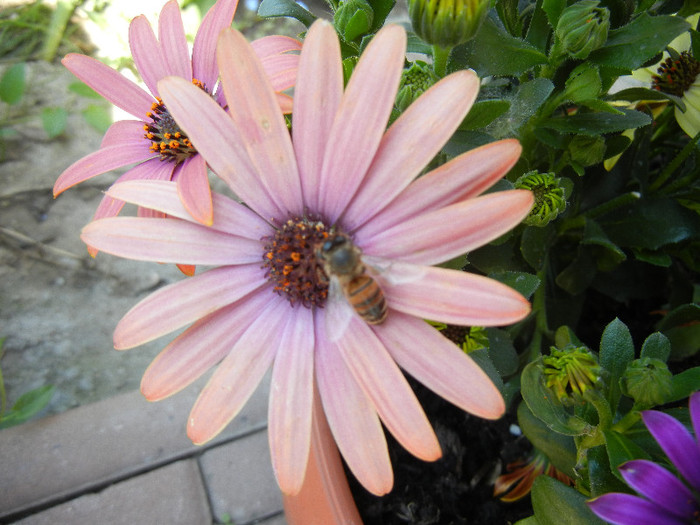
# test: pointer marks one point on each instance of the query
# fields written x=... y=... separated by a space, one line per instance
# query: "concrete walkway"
x=127 y=461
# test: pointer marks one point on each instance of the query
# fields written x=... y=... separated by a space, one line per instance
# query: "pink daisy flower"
x=341 y=185
x=154 y=142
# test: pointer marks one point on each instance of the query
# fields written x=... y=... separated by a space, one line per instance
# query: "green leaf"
x=565 y=336
x=515 y=56
x=481 y=358
x=560 y=449
x=545 y=406
x=98 y=117
x=583 y=83
x=502 y=352
x=12 y=84
x=523 y=282
x=381 y=9
x=620 y=450
x=535 y=244
x=28 y=404
x=616 y=352
x=684 y=384
x=553 y=8
x=651 y=223
x=683 y=314
x=632 y=45
x=579 y=274
x=54 y=121
x=600 y=476
x=596 y=104
x=598 y=123
x=84 y=90
x=289 y=8
x=553 y=501
x=483 y=113
x=593 y=234
x=656 y=346
x=532 y=520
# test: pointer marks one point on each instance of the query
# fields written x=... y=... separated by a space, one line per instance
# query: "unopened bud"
x=447 y=23
x=583 y=27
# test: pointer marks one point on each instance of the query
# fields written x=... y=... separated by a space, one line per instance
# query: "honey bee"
x=342 y=264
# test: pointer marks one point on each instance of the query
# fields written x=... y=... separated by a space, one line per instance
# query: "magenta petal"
x=204 y=67
x=660 y=486
x=122 y=92
x=275 y=45
x=193 y=187
x=317 y=94
x=440 y=235
x=676 y=442
x=169 y=240
x=229 y=217
x=185 y=302
x=146 y=52
x=200 y=347
x=411 y=143
x=352 y=418
x=462 y=178
x=173 y=43
x=219 y=141
x=625 y=509
x=123 y=132
x=428 y=356
x=291 y=401
x=361 y=119
x=236 y=378
x=101 y=161
x=451 y=296
x=381 y=380
x=254 y=110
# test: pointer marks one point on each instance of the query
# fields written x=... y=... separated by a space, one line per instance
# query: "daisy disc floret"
x=154 y=142
x=266 y=304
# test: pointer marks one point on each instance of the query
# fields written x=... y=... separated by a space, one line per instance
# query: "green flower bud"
x=414 y=82
x=647 y=381
x=583 y=27
x=353 y=19
x=571 y=372
x=550 y=197
x=447 y=23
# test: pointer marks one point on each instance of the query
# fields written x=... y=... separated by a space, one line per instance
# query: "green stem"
x=675 y=163
x=539 y=306
x=629 y=419
x=57 y=27
x=440 y=56
x=612 y=204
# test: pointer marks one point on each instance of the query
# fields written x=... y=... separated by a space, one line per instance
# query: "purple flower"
x=154 y=142
x=665 y=500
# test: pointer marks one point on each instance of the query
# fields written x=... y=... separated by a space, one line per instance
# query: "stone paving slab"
x=60 y=457
x=172 y=495
x=239 y=479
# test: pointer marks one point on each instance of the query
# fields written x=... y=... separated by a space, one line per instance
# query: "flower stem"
x=675 y=163
x=440 y=56
x=612 y=204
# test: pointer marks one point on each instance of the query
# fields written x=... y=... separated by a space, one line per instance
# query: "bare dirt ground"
x=58 y=306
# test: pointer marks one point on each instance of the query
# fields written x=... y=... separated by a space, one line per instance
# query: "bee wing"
x=338 y=311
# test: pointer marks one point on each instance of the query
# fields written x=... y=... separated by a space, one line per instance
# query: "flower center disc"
x=291 y=263
x=676 y=76
x=165 y=135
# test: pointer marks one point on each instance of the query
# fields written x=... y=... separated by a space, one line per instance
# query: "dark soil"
x=458 y=488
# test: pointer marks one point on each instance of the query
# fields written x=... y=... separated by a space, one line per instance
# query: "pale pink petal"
x=281 y=71
x=291 y=401
x=239 y=373
x=204 y=67
x=124 y=132
x=120 y=91
x=275 y=45
x=317 y=95
x=219 y=141
x=462 y=178
x=411 y=143
x=361 y=119
x=255 y=111
x=147 y=53
x=382 y=382
x=229 y=216
x=352 y=418
x=99 y=162
x=440 y=365
x=184 y=302
x=443 y=234
x=169 y=241
x=173 y=43
x=193 y=188
x=451 y=296
x=147 y=213
x=200 y=347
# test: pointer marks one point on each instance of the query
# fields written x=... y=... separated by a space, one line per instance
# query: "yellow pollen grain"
x=174 y=144
x=167 y=136
x=296 y=257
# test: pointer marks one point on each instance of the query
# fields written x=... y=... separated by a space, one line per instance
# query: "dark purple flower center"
x=290 y=260
x=675 y=76
x=167 y=139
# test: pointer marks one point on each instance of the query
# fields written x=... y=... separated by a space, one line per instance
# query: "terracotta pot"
x=325 y=497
